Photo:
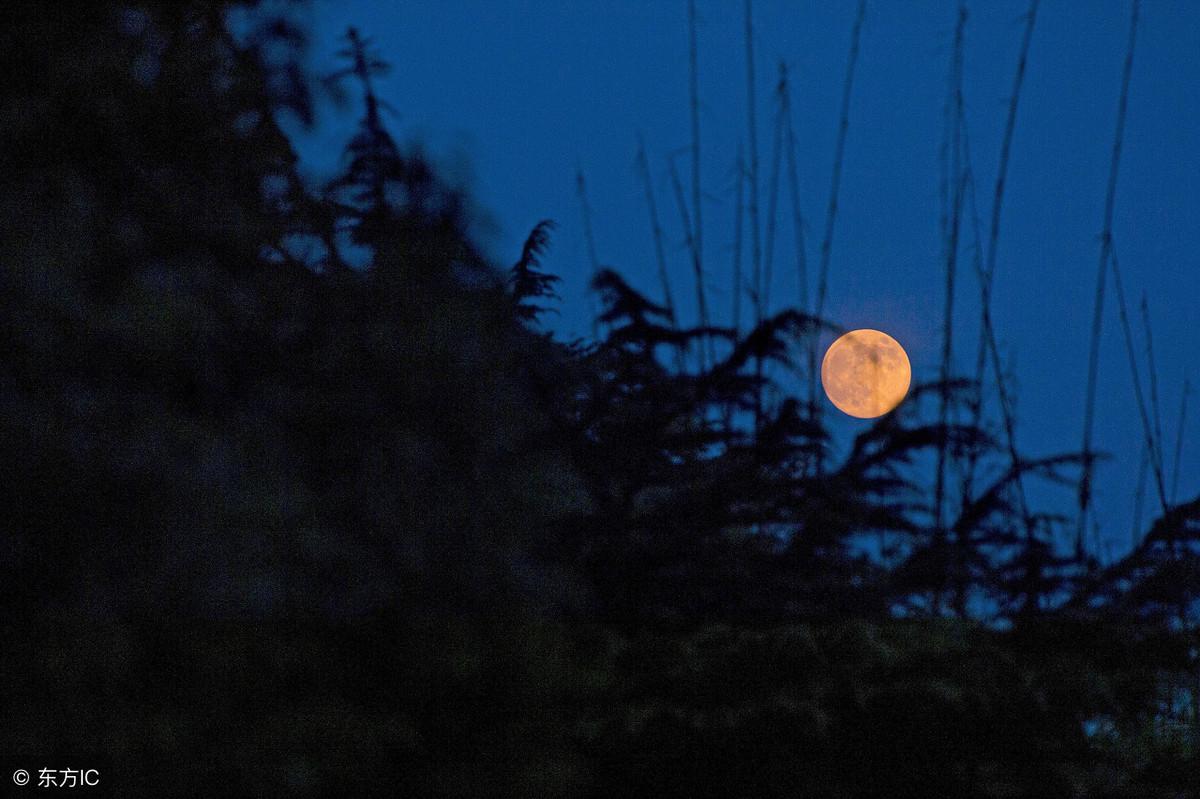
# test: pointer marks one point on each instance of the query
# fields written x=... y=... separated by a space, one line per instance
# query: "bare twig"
x=1085 y=478
x=794 y=192
x=1187 y=387
x=1147 y=428
x=697 y=212
x=589 y=241
x=953 y=215
x=689 y=235
x=835 y=181
x=987 y=334
x=773 y=192
x=755 y=229
x=643 y=165
x=1139 y=496
x=739 y=213
x=834 y=189
x=752 y=175
x=1157 y=454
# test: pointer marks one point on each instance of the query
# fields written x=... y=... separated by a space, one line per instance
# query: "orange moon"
x=865 y=373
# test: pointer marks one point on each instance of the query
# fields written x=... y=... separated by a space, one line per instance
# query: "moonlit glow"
x=865 y=373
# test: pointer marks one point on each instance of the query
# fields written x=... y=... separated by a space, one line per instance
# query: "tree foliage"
x=288 y=519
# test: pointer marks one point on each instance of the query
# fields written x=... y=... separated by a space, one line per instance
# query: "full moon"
x=865 y=373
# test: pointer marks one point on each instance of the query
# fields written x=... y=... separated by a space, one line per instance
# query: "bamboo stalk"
x=1085 y=479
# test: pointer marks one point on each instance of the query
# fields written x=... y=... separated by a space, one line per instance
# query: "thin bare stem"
x=697 y=204
x=740 y=210
x=1187 y=387
x=1006 y=144
x=1008 y=417
x=989 y=347
x=1157 y=454
x=738 y=288
x=589 y=241
x=953 y=214
x=839 y=153
x=689 y=234
x=1139 y=496
x=752 y=125
x=987 y=335
x=1085 y=478
x=794 y=192
x=975 y=398
x=1147 y=428
x=643 y=165
x=834 y=189
x=773 y=192
x=755 y=228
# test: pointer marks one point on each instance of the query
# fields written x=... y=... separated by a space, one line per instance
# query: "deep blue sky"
x=512 y=95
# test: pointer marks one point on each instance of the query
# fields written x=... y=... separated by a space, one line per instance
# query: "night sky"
x=531 y=91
